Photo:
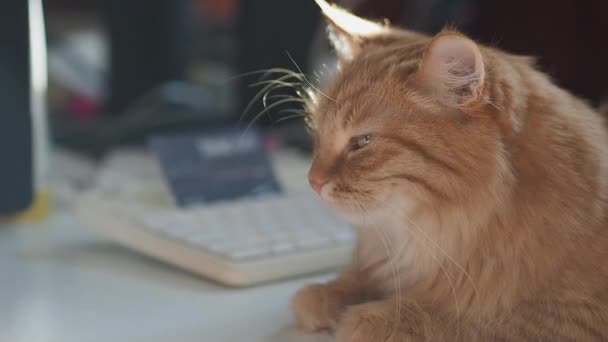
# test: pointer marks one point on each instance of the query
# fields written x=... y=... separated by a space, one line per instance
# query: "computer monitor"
x=22 y=102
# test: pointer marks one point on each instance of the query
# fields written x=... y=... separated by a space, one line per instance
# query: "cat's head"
x=406 y=121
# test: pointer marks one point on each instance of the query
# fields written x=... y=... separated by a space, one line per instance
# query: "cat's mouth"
x=350 y=203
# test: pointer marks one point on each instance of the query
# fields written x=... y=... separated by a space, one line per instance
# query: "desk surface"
x=58 y=283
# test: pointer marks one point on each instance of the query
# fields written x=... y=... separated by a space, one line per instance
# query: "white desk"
x=58 y=283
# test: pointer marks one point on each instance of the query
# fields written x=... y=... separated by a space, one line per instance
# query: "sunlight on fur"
x=346 y=21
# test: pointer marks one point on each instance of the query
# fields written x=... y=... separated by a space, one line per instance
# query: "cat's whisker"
x=266 y=110
x=268 y=88
x=294 y=113
x=451 y=283
x=385 y=242
x=396 y=279
x=436 y=245
x=281 y=96
x=413 y=224
x=278 y=85
x=307 y=80
x=282 y=71
x=276 y=82
x=264 y=72
x=291 y=98
x=436 y=259
x=288 y=117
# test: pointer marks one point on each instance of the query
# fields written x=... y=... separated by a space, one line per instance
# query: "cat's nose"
x=317 y=182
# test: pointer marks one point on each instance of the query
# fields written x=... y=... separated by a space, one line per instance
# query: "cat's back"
x=560 y=157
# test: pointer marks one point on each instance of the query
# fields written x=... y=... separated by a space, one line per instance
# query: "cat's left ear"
x=348 y=32
x=453 y=68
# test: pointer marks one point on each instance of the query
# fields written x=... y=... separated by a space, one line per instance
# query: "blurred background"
x=83 y=80
x=121 y=69
x=84 y=84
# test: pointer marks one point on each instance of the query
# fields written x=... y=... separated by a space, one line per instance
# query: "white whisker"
x=450 y=281
x=426 y=237
x=306 y=79
x=396 y=279
x=470 y=279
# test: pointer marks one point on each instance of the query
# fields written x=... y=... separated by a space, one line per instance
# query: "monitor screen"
x=16 y=174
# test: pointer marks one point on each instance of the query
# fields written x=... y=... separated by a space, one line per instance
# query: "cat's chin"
x=356 y=215
x=380 y=214
x=351 y=216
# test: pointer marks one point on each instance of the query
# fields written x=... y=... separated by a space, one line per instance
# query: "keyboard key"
x=247 y=253
x=312 y=242
x=344 y=236
x=282 y=247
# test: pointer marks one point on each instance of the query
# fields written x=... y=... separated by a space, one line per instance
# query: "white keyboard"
x=238 y=243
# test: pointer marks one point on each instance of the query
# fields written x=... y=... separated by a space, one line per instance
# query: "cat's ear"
x=347 y=32
x=454 y=69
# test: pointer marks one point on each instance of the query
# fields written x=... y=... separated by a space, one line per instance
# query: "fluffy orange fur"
x=478 y=188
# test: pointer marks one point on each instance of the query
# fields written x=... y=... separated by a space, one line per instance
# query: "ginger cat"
x=477 y=186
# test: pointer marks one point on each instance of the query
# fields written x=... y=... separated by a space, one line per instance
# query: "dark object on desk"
x=215 y=165
x=18 y=93
x=170 y=107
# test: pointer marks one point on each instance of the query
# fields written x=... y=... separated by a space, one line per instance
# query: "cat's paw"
x=380 y=321
x=361 y=324
x=315 y=308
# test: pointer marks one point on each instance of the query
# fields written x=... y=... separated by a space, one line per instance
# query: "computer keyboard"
x=238 y=243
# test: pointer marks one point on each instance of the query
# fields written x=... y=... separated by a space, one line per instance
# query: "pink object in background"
x=83 y=108
x=272 y=143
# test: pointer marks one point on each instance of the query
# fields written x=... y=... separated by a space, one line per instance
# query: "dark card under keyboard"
x=219 y=165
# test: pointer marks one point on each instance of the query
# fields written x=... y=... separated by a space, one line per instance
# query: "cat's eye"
x=361 y=141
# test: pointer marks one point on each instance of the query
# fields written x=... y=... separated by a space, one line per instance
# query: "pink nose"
x=317 y=183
